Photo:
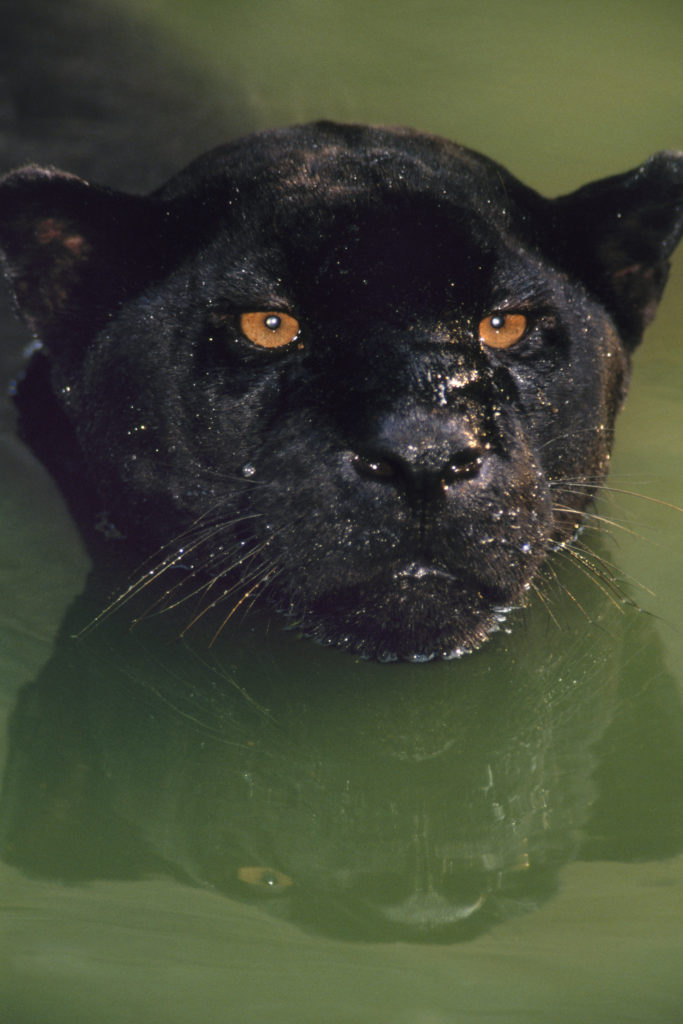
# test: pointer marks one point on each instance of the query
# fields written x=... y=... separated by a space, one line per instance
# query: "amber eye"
x=269 y=330
x=502 y=330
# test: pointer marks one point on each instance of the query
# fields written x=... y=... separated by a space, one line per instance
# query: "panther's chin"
x=419 y=613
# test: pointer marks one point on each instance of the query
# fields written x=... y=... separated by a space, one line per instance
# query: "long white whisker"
x=611 y=567
x=545 y=602
x=606 y=585
x=172 y=556
x=598 y=518
x=204 y=585
x=267 y=577
x=221 y=597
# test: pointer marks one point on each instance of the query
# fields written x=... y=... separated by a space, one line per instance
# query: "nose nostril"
x=462 y=466
x=373 y=468
x=420 y=453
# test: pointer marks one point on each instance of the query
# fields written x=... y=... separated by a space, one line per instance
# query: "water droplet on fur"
x=248 y=469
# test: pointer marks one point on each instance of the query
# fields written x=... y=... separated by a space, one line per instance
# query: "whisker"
x=227 y=677
x=545 y=602
x=575 y=600
x=644 y=497
x=172 y=556
x=598 y=518
x=580 y=487
x=203 y=726
x=611 y=566
x=225 y=593
x=203 y=586
x=606 y=585
x=266 y=578
x=568 y=435
x=567 y=591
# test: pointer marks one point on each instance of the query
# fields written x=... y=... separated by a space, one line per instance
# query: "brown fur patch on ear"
x=45 y=282
x=72 y=250
x=52 y=229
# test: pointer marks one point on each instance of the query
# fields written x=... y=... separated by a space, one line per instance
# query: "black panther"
x=361 y=374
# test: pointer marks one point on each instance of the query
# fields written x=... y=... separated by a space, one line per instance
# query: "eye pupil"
x=267 y=329
x=502 y=330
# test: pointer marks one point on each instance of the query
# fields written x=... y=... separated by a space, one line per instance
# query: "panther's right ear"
x=73 y=250
x=618 y=234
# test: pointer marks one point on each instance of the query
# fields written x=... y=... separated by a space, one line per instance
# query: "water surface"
x=264 y=831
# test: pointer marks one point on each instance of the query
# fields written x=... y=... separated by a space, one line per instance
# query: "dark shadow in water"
x=360 y=801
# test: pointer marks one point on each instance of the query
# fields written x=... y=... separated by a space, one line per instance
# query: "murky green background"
x=257 y=832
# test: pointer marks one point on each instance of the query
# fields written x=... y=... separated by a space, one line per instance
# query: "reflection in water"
x=362 y=801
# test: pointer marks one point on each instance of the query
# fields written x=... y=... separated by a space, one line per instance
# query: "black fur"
x=388 y=481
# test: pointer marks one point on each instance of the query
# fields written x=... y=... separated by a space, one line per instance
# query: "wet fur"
x=252 y=470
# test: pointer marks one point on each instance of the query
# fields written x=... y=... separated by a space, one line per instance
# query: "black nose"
x=421 y=455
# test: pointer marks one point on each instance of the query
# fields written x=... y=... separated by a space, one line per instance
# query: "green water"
x=260 y=831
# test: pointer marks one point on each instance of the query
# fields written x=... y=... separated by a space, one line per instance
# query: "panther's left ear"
x=616 y=235
x=73 y=251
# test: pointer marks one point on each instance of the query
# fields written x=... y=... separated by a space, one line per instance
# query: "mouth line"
x=418 y=570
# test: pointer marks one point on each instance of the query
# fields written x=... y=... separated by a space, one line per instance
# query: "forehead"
x=330 y=153
x=346 y=169
x=400 y=242
x=354 y=181
x=411 y=212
